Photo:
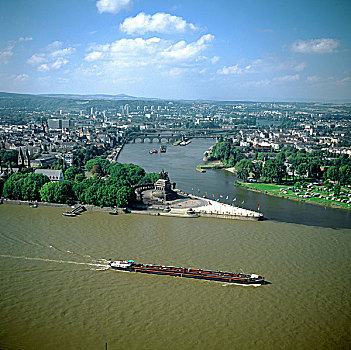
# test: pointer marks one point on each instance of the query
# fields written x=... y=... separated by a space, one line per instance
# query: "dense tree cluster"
x=8 y=157
x=110 y=185
x=82 y=155
x=24 y=186
x=274 y=166
x=227 y=153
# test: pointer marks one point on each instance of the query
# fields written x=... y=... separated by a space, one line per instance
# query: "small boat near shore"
x=220 y=276
x=153 y=151
x=75 y=211
x=69 y=213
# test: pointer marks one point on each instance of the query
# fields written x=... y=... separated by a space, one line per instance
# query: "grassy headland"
x=313 y=194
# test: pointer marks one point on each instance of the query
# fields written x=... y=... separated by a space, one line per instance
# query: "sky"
x=256 y=50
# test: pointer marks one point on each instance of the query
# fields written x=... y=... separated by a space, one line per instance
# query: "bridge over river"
x=172 y=135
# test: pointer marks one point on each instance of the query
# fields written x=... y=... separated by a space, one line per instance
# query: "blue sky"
x=189 y=49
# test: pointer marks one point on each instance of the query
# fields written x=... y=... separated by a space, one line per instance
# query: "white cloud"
x=258 y=83
x=6 y=53
x=345 y=80
x=176 y=71
x=315 y=46
x=181 y=51
x=275 y=64
x=52 y=57
x=265 y=65
x=142 y=52
x=63 y=52
x=299 y=67
x=159 y=22
x=313 y=79
x=93 y=56
x=146 y=57
x=36 y=59
x=127 y=52
x=22 y=77
x=214 y=59
x=287 y=78
x=233 y=70
x=112 y=6
x=25 y=38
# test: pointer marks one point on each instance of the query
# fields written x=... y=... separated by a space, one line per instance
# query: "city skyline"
x=227 y=50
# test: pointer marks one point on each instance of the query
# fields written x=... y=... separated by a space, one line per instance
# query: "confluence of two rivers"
x=57 y=294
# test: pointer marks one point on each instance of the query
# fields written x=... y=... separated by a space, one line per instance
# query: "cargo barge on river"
x=220 y=276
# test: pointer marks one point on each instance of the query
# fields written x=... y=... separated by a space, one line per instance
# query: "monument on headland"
x=161 y=190
x=164 y=190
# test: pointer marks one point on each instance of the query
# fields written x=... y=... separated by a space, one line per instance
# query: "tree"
x=79 y=177
x=57 y=192
x=314 y=170
x=8 y=156
x=103 y=163
x=345 y=175
x=24 y=186
x=257 y=170
x=333 y=173
x=13 y=186
x=243 y=168
x=96 y=169
x=2 y=182
x=337 y=188
x=273 y=170
x=32 y=184
x=281 y=157
x=71 y=173
x=149 y=178
x=124 y=196
x=59 y=164
x=302 y=169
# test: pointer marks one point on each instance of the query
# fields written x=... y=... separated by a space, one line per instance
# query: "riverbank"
x=186 y=206
x=216 y=164
x=284 y=191
x=55 y=205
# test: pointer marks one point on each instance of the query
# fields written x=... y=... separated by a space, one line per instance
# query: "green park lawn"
x=275 y=189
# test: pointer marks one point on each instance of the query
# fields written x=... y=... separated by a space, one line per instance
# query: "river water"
x=56 y=293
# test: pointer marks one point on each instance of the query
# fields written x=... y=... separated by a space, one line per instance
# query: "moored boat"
x=69 y=213
x=221 y=276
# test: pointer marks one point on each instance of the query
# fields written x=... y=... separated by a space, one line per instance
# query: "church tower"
x=20 y=160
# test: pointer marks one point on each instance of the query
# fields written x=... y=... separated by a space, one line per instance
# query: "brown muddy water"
x=56 y=293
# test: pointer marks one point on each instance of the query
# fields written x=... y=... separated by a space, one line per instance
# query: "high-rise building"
x=55 y=123
x=126 y=109
x=67 y=123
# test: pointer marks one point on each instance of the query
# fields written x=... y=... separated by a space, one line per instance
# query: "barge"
x=220 y=276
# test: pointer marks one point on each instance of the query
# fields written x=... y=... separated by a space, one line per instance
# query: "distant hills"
x=124 y=97
x=117 y=97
